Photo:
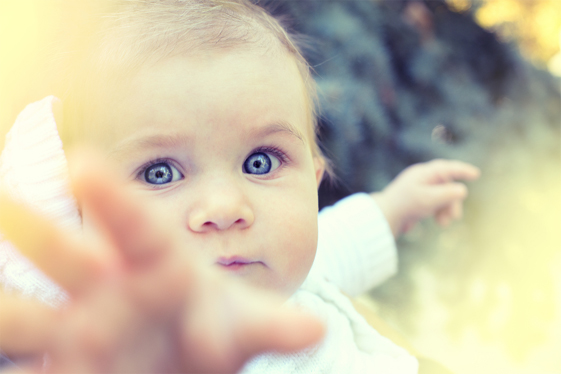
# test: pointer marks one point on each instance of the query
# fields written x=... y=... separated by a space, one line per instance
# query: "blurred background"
x=406 y=81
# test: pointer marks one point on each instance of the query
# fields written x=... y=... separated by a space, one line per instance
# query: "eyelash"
x=277 y=152
x=144 y=167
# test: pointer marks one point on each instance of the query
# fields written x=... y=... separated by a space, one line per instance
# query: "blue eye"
x=260 y=163
x=161 y=173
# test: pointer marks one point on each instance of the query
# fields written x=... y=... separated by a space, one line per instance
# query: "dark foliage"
x=403 y=82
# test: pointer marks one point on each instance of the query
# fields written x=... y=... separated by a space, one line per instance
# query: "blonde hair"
x=134 y=32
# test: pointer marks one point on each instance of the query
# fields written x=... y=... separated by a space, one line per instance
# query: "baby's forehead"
x=146 y=34
x=239 y=87
x=172 y=77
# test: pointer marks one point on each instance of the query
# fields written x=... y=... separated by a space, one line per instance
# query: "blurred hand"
x=424 y=190
x=138 y=303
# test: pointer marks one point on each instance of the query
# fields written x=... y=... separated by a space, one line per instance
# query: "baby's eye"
x=161 y=173
x=260 y=163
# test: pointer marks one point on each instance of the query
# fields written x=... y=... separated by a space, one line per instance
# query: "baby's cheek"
x=297 y=246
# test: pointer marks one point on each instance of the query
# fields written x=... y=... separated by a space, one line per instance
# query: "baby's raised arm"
x=356 y=244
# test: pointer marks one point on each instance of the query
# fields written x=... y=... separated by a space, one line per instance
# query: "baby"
x=205 y=110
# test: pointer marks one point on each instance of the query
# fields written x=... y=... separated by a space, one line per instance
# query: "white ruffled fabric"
x=33 y=170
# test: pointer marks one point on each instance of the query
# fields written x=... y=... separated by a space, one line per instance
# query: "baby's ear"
x=319 y=166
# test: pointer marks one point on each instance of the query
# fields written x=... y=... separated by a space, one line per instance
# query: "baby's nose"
x=221 y=209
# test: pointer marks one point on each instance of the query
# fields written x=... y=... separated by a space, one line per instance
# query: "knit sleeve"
x=33 y=171
x=356 y=248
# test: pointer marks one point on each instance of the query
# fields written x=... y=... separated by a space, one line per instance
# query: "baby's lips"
x=227 y=261
x=236 y=263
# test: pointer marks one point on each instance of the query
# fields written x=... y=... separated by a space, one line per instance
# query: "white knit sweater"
x=356 y=251
x=33 y=170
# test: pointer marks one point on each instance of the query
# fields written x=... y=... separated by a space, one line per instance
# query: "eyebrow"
x=178 y=140
x=151 y=141
x=277 y=127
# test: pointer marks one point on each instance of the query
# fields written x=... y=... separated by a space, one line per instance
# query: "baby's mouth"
x=235 y=263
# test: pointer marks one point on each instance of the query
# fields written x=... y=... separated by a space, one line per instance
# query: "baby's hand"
x=423 y=190
x=140 y=302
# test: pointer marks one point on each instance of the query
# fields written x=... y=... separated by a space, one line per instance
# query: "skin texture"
x=138 y=303
x=149 y=290
x=204 y=115
x=425 y=190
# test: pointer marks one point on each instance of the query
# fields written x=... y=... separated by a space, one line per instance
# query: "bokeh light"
x=534 y=25
x=30 y=32
x=513 y=307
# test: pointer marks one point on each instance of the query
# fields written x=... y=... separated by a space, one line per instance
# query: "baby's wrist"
x=389 y=210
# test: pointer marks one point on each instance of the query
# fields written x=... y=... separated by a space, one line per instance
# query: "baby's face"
x=218 y=143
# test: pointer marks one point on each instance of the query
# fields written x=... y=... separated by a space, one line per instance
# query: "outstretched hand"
x=139 y=302
x=424 y=190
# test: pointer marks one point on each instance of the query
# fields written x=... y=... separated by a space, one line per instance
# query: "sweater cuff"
x=364 y=252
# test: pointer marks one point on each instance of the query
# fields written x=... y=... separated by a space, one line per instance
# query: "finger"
x=265 y=324
x=161 y=291
x=449 y=213
x=115 y=212
x=438 y=196
x=19 y=370
x=60 y=254
x=443 y=216
x=26 y=326
x=284 y=331
x=407 y=226
x=456 y=210
x=96 y=328
x=448 y=170
x=227 y=327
